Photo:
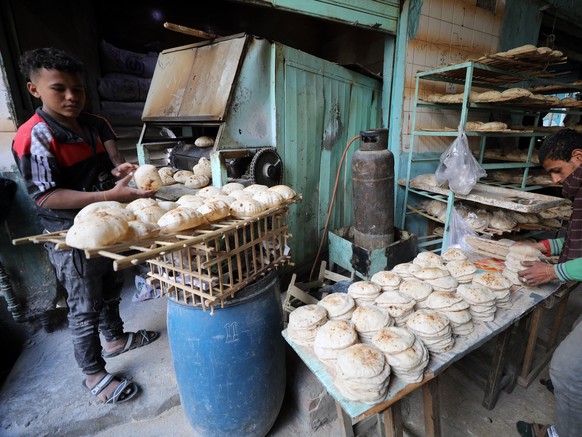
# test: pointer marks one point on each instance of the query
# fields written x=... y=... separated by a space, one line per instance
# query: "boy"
x=62 y=158
x=561 y=156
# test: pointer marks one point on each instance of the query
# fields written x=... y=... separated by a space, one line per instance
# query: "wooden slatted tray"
x=205 y=265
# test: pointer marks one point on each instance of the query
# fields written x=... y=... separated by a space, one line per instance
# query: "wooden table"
x=524 y=300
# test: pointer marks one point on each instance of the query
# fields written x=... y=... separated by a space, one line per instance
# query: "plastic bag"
x=143 y=290
x=459 y=167
x=458 y=231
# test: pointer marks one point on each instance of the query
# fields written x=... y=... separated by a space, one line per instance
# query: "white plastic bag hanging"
x=458 y=231
x=459 y=167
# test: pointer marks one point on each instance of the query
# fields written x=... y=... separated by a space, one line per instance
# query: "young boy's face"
x=559 y=170
x=62 y=93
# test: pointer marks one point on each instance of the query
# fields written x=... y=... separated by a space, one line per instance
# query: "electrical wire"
x=332 y=200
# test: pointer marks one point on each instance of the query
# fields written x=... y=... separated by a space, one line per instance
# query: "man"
x=561 y=156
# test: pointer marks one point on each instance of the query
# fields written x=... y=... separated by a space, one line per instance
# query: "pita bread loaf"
x=332 y=338
x=387 y=280
x=254 y=188
x=137 y=230
x=214 y=211
x=121 y=213
x=245 y=208
x=181 y=175
x=364 y=292
x=433 y=329
x=362 y=373
x=195 y=181
x=149 y=214
x=369 y=319
x=524 y=49
x=231 y=186
x=140 y=203
x=97 y=206
x=493 y=126
x=462 y=271
x=166 y=171
x=146 y=177
x=488 y=96
x=492 y=280
x=95 y=232
x=417 y=290
x=286 y=192
x=473 y=125
x=454 y=254
x=303 y=323
x=428 y=259
x=398 y=305
x=430 y=273
x=268 y=198
x=339 y=306
x=515 y=93
x=405 y=270
x=180 y=219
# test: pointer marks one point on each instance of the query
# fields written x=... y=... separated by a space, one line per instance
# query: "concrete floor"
x=43 y=395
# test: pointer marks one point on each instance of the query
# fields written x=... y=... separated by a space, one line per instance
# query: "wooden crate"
x=208 y=271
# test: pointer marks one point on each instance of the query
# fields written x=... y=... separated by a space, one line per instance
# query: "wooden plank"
x=392 y=421
x=493 y=386
x=345 y=421
x=431 y=406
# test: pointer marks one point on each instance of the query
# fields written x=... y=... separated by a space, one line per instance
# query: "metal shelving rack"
x=471 y=74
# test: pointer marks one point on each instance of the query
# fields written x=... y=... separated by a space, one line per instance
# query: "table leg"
x=392 y=421
x=531 y=344
x=345 y=421
x=557 y=322
x=431 y=406
x=493 y=386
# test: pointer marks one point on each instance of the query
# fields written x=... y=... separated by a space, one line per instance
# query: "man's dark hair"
x=559 y=146
x=51 y=59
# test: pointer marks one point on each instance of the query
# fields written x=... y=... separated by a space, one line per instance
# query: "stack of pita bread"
x=454 y=308
x=406 y=354
x=481 y=301
x=417 y=290
x=303 y=323
x=433 y=329
x=453 y=254
x=405 y=270
x=498 y=284
x=362 y=374
x=364 y=292
x=367 y=320
x=333 y=337
x=428 y=259
x=438 y=277
x=388 y=281
x=515 y=255
x=339 y=306
x=398 y=305
x=462 y=270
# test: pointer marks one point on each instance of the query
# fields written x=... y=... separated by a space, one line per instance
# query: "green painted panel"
x=321 y=106
x=378 y=14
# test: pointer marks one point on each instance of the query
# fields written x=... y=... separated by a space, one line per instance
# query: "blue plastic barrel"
x=230 y=366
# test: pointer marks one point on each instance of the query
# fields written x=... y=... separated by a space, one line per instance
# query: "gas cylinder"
x=373 y=190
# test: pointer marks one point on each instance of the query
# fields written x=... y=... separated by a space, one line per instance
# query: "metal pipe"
x=6 y=290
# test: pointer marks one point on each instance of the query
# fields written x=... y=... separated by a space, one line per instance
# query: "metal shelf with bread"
x=505 y=86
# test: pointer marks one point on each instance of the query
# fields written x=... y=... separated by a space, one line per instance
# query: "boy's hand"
x=122 y=192
x=123 y=170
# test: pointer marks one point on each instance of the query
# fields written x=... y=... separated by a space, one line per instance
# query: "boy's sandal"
x=118 y=396
x=134 y=340
x=532 y=429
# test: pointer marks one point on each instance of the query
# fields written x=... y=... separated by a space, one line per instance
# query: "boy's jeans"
x=94 y=290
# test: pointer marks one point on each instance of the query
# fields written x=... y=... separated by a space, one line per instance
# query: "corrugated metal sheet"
x=377 y=14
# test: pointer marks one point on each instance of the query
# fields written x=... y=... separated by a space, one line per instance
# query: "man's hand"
x=537 y=273
x=537 y=245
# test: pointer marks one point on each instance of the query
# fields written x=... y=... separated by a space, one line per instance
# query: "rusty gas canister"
x=373 y=190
